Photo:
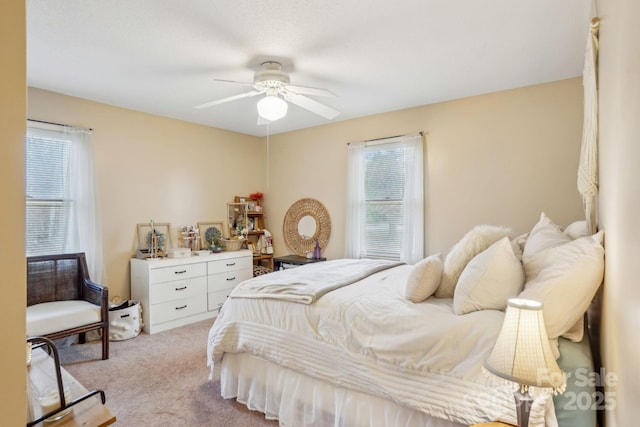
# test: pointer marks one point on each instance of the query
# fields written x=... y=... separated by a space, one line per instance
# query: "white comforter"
x=367 y=337
x=305 y=285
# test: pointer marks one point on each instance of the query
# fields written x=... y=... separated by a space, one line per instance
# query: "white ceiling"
x=162 y=56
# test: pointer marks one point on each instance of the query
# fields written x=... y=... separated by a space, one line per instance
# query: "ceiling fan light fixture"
x=272 y=108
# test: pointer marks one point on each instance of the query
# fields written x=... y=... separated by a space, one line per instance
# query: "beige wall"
x=13 y=107
x=150 y=167
x=500 y=158
x=619 y=81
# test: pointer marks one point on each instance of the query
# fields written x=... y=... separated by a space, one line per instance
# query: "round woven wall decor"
x=297 y=211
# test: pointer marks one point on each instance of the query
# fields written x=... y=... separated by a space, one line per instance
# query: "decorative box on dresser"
x=177 y=291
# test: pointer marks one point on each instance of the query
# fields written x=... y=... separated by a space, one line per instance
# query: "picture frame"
x=237 y=219
x=163 y=233
x=203 y=226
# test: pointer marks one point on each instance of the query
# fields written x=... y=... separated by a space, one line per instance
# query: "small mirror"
x=307 y=227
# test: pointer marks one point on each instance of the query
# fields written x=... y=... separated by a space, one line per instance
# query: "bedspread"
x=307 y=283
x=367 y=337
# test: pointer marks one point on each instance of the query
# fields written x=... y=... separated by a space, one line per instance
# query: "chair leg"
x=105 y=344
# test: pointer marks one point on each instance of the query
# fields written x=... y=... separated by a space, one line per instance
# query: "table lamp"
x=522 y=354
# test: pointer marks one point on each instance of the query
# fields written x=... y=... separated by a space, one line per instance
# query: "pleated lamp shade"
x=522 y=353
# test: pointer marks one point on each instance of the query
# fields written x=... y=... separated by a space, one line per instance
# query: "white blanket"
x=307 y=283
x=367 y=337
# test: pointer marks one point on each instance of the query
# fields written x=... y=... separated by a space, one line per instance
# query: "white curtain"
x=588 y=167
x=86 y=236
x=75 y=225
x=354 y=226
x=412 y=246
x=413 y=240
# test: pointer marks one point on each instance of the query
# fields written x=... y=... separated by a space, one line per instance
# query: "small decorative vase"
x=316 y=250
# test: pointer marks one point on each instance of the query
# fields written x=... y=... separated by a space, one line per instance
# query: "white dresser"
x=177 y=291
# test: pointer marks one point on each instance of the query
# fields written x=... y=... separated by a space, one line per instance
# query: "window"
x=385 y=199
x=49 y=204
x=61 y=213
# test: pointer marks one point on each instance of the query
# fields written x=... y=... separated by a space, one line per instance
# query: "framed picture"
x=237 y=219
x=210 y=232
x=154 y=235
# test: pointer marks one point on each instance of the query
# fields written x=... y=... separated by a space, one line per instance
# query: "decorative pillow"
x=489 y=280
x=576 y=229
x=517 y=243
x=544 y=235
x=569 y=276
x=424 y=278
x=475 y=241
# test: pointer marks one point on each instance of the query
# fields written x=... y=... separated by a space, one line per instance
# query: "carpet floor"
x=159 y=380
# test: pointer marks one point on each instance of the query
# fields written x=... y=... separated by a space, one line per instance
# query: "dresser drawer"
x=178 y=289
x=217 y=298
x=177 y=309
x=216 y=282
x=177 y=272
x=232 y=264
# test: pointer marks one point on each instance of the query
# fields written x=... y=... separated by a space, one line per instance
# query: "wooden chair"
x=62 y=300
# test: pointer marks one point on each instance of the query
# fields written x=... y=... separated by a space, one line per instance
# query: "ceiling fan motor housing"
x=270 y=76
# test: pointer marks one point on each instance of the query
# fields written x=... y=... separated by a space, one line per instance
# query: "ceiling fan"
x=271 y=81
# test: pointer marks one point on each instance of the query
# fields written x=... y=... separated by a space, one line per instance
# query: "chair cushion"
x=56 y=316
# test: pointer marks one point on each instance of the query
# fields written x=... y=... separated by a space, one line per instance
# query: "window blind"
x=48 y=204
x=385 y=171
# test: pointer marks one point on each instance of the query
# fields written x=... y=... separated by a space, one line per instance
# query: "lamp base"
x=523 y=406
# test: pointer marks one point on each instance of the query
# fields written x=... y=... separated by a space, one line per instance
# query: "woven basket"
x=232 y=244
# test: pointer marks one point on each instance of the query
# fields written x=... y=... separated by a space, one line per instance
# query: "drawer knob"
x=181 y=289
x=180 y=272
x=181 y=307
x=231 y=264
x=230 y=279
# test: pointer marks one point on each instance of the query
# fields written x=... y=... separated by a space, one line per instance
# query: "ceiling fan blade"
x=234 y=81
x=231 y=98
x=306 y=90
x=311 y=105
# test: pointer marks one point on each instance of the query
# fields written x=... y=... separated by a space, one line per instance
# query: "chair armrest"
x=96 y=293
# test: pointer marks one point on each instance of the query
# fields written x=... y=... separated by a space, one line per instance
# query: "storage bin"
x=125 y=320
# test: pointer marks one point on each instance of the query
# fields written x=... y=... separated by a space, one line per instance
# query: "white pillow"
x=576 y=332
x=475 y=241
x=424 y=278
x=544 y=235
x=576 y=229
x=569 y=276
x=517 y=243
x=489 y=280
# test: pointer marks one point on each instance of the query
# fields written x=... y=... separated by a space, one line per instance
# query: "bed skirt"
x=267 y=387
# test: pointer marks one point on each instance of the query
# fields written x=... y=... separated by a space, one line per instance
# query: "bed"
x=379 y=343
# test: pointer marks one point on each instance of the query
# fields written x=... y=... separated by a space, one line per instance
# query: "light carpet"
x=159 y=380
